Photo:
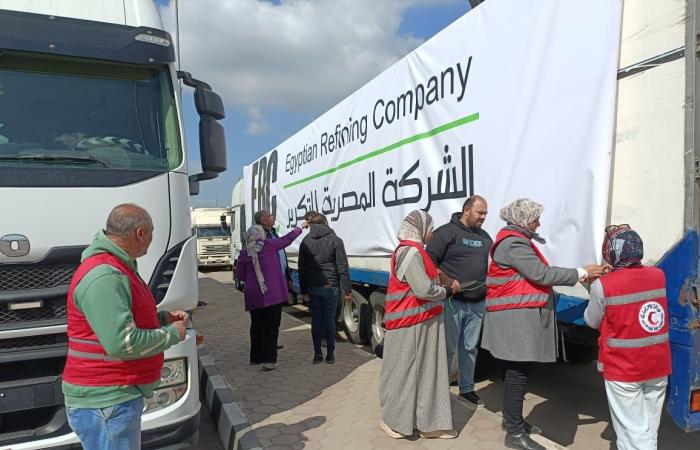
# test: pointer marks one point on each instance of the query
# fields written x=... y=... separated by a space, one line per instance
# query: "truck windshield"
x=213 y=232
x=67 y=113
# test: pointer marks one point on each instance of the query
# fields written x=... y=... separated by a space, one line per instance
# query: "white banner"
x=515 y=99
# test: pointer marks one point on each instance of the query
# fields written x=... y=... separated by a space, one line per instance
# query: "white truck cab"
x=91 y=117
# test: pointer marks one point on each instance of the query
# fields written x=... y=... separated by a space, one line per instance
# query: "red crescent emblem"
x=650 y=319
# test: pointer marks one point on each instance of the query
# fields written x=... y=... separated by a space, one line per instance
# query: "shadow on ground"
x=585 y=405
x=288 y=436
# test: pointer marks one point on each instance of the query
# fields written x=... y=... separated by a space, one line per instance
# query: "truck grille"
x=36 y=423
x=32 y=342
x=42 y=277
x=217 y=248
x=52 y=309
x=25 y=371
x=46 y=280
x=22 y=425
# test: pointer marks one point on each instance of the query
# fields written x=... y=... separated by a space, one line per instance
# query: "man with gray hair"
x=116 y=338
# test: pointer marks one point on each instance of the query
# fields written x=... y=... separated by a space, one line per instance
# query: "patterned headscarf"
x=521 y=212
x=415 y=227
x=622 y=247
x=254 y=242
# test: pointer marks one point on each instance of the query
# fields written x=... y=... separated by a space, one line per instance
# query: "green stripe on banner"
x=442 y=128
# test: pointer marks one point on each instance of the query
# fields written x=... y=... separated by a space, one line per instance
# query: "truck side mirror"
x=212 y=139
x=212 y=145
x=208 y=103
x=204 y=176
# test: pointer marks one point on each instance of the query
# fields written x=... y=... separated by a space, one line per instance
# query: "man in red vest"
x=629 y=306
x=116 y=338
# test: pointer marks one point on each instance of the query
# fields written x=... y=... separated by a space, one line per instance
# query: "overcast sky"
x=280 y=64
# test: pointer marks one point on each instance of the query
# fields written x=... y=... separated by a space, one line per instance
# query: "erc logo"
x=14 y=245
x=651 y=317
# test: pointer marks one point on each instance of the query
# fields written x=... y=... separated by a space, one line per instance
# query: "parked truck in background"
x=91 y=117
x=213 y=233
x=649 y=171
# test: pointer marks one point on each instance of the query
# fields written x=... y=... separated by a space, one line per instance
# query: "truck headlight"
x=174 y=372
x=164 y=397
x=173 y=385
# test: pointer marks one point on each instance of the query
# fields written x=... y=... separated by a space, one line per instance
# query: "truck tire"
x=377 y=300
x=351 y=315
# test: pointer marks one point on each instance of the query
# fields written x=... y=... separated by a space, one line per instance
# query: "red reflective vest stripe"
x=402 y=308
x=633 y=339
x=87 y=363
x=507 y=289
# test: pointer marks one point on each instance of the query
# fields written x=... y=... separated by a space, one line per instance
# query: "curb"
x=231 y=422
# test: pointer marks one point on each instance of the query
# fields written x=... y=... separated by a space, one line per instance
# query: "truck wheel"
x=377 y=323
x=351 y=317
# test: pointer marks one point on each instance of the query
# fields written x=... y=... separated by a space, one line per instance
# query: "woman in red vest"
x=629 y=306
x=414 y=387
x=520 y=325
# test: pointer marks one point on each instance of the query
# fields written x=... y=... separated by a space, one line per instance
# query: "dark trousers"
x=264 y=331
x=515 y=375
x=323 y=302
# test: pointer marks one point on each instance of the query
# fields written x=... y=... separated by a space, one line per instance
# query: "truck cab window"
x=213 y=232
x=66 y=112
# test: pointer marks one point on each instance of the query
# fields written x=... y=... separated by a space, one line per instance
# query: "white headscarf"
x=415 y=227
x=521 y=212
x=254 y=242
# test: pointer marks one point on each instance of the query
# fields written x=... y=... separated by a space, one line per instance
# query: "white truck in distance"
x=91 y=117
x=213 y=234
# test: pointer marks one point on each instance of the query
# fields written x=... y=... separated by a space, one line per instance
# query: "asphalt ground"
x=208 y=436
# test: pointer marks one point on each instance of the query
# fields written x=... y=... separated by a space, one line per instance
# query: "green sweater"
x=104 y=297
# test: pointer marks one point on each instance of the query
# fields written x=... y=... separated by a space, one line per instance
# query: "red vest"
x=87 y=363
x=507 y=289
x=634 y=334
x=402 y=307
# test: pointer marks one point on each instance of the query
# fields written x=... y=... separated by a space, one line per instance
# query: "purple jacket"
x=275 y=280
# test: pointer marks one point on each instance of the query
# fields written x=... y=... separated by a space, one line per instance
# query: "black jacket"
x=461 y=253
x=322 y=260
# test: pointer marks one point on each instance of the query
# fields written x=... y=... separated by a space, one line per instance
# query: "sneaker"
x=389 y=432
x=440 y=434
x=330 y=358
x=529 y=429
x=318 y=359
x=269 y=366
x=471 y=398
